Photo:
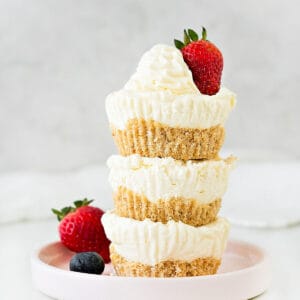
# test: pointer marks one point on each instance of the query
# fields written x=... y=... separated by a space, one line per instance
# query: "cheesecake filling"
x=150 y=242
x=167 y=178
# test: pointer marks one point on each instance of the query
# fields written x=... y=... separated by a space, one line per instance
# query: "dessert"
x=161 y=113
x=174 y=249
x=168 y=181
x=163 y=189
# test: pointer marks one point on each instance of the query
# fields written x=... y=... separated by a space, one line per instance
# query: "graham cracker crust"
x=169 y=268
x=132 y=205
x=152 y=139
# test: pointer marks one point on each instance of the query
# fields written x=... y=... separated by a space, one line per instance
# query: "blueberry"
x=87 y=262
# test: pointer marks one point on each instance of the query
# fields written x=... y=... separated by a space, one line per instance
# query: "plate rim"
x=265 y=259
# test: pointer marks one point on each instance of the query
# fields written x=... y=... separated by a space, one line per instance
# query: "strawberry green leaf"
x=55 y=211
x=193 y=35
x=186 y=38
x=84 y=202
x=178 y=44
x=66 y=210
x=78 y=203
x=204 y=34
x=88 y=202
x=58 y=214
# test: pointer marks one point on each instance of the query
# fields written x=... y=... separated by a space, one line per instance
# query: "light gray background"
x=59 y=59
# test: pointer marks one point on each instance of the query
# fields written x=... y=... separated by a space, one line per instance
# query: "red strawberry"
x=81 y=230
x=204 y=59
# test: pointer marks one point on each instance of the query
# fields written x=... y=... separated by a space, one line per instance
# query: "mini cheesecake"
x=153 y=249
x=163 y=189
x=161 y=113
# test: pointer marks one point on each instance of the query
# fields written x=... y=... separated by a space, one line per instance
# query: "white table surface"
x=19 y=239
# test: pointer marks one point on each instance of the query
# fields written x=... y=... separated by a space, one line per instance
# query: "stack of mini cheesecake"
x=168 y=180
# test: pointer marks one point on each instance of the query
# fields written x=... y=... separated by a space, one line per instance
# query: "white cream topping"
x=150 y=242
x=162 y=68
x=163 y=90
x=164 y=178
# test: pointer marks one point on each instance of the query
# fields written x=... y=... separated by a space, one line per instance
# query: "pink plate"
x=244 y=273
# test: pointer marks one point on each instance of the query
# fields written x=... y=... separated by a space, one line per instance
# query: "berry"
x=87 y=262
x=204 y=60
x=81 y=229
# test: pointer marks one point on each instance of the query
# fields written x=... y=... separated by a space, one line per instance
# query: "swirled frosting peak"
x=162 y=68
